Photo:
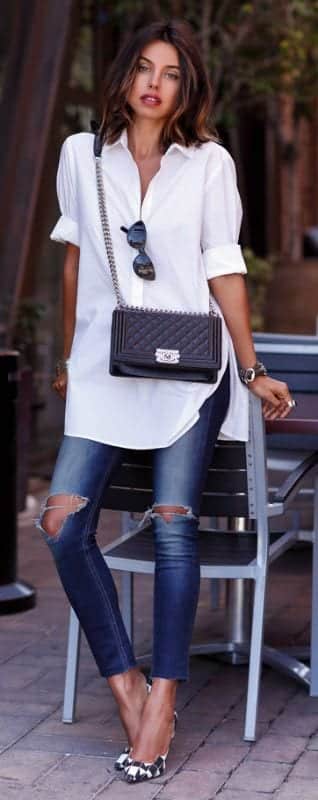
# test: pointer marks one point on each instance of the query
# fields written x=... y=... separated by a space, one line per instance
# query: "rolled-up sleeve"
x=222 y=219
x=66 y=228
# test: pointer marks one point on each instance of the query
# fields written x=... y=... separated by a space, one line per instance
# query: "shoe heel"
x=123 y=760
x=175 y=722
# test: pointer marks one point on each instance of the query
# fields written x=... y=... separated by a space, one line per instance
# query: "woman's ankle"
x=130 y=693
x=126 y=683
x=164 y=690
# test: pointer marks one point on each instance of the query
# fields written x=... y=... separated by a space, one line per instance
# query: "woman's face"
x=154 y=92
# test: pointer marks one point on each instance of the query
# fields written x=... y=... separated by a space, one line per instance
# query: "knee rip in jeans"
x=167 y=512
x=56 y=510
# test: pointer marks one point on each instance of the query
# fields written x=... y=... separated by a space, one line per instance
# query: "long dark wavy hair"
x=191 y=122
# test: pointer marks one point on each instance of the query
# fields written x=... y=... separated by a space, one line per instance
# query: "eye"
x=173 y=75
x=142 y=68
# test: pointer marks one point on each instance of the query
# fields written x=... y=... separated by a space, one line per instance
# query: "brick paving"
x=43 y=759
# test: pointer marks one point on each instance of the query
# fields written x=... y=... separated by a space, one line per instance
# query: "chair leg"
x=314 y=602
x=255 y=664
x=214 y=582
x=215 y=593
x=127 y=603
x=72 y=663
x=127 y=521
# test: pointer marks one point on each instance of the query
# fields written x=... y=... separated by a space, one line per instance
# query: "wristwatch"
x=248 y=375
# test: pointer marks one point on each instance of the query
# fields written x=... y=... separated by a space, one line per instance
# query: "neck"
x=144 y=138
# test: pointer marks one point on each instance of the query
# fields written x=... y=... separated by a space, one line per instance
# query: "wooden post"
x=34 y=80
x=15 y=595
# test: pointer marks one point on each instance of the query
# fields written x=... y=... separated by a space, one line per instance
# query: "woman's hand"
x=275 y=396
x=60 y=383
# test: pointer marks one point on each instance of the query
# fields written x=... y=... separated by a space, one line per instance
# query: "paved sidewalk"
x=42 y=759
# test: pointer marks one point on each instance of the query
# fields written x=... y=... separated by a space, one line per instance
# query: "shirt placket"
x=137 y=285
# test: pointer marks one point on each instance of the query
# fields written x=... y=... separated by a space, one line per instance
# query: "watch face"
x=250 y=374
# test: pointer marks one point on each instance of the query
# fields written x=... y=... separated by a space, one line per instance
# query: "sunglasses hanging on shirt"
x=136 y=237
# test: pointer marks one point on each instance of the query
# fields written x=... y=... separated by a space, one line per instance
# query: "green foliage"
x=259 y=276
x=252 y=49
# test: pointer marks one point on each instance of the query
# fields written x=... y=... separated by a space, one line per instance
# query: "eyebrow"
x=170 y=66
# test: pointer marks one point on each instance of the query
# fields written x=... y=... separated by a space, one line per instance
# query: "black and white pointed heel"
x=124 y=759
x=137 y=771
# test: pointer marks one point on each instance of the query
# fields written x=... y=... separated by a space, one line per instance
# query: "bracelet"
x=61 y=366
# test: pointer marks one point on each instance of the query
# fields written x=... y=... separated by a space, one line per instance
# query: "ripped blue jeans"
x=83 y=469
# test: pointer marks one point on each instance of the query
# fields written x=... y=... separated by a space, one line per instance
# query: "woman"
x=162 y=164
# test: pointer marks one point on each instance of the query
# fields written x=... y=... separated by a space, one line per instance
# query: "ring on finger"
x=291 y=403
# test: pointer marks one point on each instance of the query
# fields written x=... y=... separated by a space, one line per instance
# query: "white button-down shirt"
x=192 y=212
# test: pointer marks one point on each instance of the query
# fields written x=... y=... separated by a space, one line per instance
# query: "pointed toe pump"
x=124 y=759
x=138 y=771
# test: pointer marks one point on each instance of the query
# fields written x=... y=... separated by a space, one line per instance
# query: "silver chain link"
x=106 y=230
x=111 y=258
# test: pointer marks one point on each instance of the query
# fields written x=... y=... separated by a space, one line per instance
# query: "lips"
x=151 y=99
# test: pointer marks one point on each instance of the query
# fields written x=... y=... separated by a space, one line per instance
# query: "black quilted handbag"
x=155 y=343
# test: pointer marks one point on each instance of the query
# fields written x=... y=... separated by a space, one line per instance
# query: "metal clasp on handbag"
x=167 y=356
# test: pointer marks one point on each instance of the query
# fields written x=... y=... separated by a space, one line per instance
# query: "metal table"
x=302 y=420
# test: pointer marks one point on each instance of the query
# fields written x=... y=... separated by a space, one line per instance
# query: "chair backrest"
x=225 y=492
x=293 y=359
x=290 y=358
x=229 y=490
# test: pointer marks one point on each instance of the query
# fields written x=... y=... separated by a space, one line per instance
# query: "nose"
x=153 y=81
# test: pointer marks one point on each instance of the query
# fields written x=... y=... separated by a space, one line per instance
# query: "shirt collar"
x=123 y=141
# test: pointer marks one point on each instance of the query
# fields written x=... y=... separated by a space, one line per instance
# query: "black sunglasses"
x=136 y=237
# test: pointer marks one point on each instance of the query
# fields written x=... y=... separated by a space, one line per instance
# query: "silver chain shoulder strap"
x=109 y=244
x=106 y=230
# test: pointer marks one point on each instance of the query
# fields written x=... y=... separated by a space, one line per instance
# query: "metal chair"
x=236 y=490
x=293 y=358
